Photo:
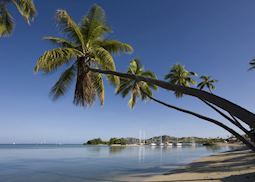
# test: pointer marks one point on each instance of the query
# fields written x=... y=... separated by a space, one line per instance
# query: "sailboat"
x=193 y=143
x=142 y=138
x=161 y=144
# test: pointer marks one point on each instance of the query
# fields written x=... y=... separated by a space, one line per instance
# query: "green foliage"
x=207 y=82
x=6 y=21
x=96 y=141
x=178 y=75
x=63 y=83
x=26 y=8
x=53 y=59
x=136 y=89
x=83 y=46
x=165 y=138
x=118 y=141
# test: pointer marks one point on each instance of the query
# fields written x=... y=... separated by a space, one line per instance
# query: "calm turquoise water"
x=76 y=163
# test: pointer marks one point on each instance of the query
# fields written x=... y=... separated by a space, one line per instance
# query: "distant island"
x=160 y=139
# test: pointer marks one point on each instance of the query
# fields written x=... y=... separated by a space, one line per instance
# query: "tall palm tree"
x=83 y=46
x=207 y=82
x=178 y=75
x=26 y=8
x=136 y=89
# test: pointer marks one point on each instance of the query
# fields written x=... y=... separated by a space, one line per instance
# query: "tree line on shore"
x=156 y=139
x=88 y=53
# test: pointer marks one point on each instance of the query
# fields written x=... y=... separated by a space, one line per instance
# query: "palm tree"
x=136 y=89
x=142 y=90
x=83 y=46
x=26 y=8
x=207 y=82
x=178 y=75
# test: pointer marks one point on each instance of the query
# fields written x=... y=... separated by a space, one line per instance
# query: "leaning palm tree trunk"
x=233 y=121
x=237 y=135
x=234 y=109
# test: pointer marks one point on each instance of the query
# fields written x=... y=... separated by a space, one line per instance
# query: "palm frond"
x=145 y=91
x=70 y=27
x=178 y=94
x=60 y=41
x=26 y=8
x=106 y=61
x=54 y=58
x=201 y=85
x=114 y=46
x=124 y=83
x=64 y=82
x=149 y=74
x=6 y=21
x=167 y=76
x=126 y=90
x=93 y=25
x=134 y=66
x=252 y=64
x=193 y=73
x=132 y=100
x=99 y=86
x=213 y=87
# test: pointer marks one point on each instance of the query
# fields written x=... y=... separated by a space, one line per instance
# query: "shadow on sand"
x=226 y=162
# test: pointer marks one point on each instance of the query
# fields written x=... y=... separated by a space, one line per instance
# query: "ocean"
x=79 y=163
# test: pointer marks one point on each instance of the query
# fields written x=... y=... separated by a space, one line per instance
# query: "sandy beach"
x=235 y=166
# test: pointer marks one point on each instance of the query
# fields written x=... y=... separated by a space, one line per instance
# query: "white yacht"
x=153 y=144
x=178 y=144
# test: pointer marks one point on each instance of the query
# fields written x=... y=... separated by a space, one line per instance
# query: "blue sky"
x=214 y=37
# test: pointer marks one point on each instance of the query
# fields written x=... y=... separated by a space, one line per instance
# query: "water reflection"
x=141 y=154
x=116 y=149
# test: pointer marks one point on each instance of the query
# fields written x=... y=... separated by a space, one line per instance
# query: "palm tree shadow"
x=239 y=160
x=243 y=177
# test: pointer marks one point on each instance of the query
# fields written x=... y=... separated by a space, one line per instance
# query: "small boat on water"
x=178 y=144
x=153 y=144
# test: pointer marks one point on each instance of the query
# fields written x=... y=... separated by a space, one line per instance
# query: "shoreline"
x=230 y=166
